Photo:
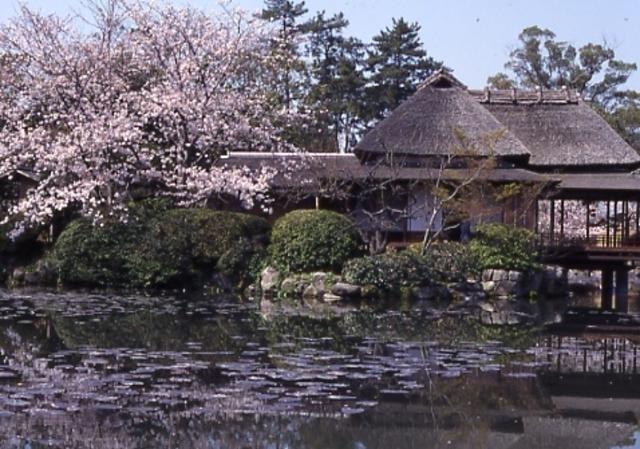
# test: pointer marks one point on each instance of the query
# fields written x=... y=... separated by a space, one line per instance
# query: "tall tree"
x=289 y=68
x=337 y=82
x=154 y=95
x=541 y=60
x=625 y=118
x=397 y=62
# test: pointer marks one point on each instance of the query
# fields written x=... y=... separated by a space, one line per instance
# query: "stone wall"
x=548 y=282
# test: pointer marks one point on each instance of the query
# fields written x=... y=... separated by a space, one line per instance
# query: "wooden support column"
x=622 y=290
x=627 y=221
x=536 y=217
x=608 y=232
x=606 y=302
x=552 y=218
x=561 y=220
x=615 y=223
x=588 y=219
x=637 y=220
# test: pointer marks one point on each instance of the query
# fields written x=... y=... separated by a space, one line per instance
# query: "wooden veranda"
x=600 y=231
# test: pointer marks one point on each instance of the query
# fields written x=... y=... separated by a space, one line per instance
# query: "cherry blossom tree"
x=133 y=94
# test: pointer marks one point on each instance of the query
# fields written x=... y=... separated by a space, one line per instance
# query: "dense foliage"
x=159 y=246
x=148 y=95
x=390 y=271
x=306 y=240
x=453 y=261
x=506 y=247
x=540 y=59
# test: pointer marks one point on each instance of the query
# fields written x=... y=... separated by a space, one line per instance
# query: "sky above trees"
x=473 y=37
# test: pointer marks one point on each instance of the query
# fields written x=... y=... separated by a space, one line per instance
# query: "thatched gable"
x=433 y=120
x=558 y=128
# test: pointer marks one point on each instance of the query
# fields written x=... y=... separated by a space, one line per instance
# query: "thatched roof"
x=24 y=174
x=558 y=128
x=432 y=122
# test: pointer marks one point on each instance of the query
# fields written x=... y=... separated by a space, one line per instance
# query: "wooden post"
x=622 y=290
x=606 y=302
x=607 y=226
x=626 y=222
x=536 y=214
x=637 y=221
x=588 y=212
x=552 y=226
x=615 y=223
x=561 y=219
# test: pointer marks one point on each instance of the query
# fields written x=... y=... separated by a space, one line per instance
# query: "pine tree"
x=337 y=82
x=289 y=70
x=397 y=62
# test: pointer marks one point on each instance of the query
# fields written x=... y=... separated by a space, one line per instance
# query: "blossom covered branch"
x=151 y=95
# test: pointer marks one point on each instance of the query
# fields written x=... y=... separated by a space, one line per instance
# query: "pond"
x=80 y=370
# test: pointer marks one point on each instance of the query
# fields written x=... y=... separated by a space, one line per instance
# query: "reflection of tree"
x=147 y=329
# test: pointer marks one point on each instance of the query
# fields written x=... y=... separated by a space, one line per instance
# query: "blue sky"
x=473 y=37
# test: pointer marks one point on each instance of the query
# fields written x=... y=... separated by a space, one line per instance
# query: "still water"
x=81 y=370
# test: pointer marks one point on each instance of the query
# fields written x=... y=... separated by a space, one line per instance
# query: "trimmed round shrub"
x=214 y=233
x=504 y=247
x=389 y=272
x=89 y=255
x=306 y=240
x=453 y=261
x=158 y=247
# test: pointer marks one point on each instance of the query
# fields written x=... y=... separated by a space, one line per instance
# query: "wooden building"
x=586 y=194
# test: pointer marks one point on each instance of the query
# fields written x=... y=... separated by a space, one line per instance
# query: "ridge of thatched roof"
x=439 y=119
x=558 y=128
x=517 y=96
x=442 y=78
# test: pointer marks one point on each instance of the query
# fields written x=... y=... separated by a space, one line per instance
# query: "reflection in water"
x=100 y=371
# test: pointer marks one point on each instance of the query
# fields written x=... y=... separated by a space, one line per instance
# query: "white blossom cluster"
x=150 y=95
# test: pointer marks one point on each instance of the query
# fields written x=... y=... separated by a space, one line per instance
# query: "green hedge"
x=159 y=246
x=505 y=247
x=389 y=272
x=306 y=240
x=453 y=261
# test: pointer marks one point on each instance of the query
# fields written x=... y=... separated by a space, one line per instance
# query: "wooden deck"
x=598 y=250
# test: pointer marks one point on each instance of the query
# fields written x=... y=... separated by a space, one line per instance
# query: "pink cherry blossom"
x=148 y=95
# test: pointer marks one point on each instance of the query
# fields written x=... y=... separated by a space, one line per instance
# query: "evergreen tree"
x=593 y=70
x=289 y=70
x=397 y=62
x=541 y=60
x=337 y=82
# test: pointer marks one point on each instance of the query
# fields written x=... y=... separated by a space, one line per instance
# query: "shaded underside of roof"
x=441 y=121
x=600 y=182
x=299 y=170
x=564 y=134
